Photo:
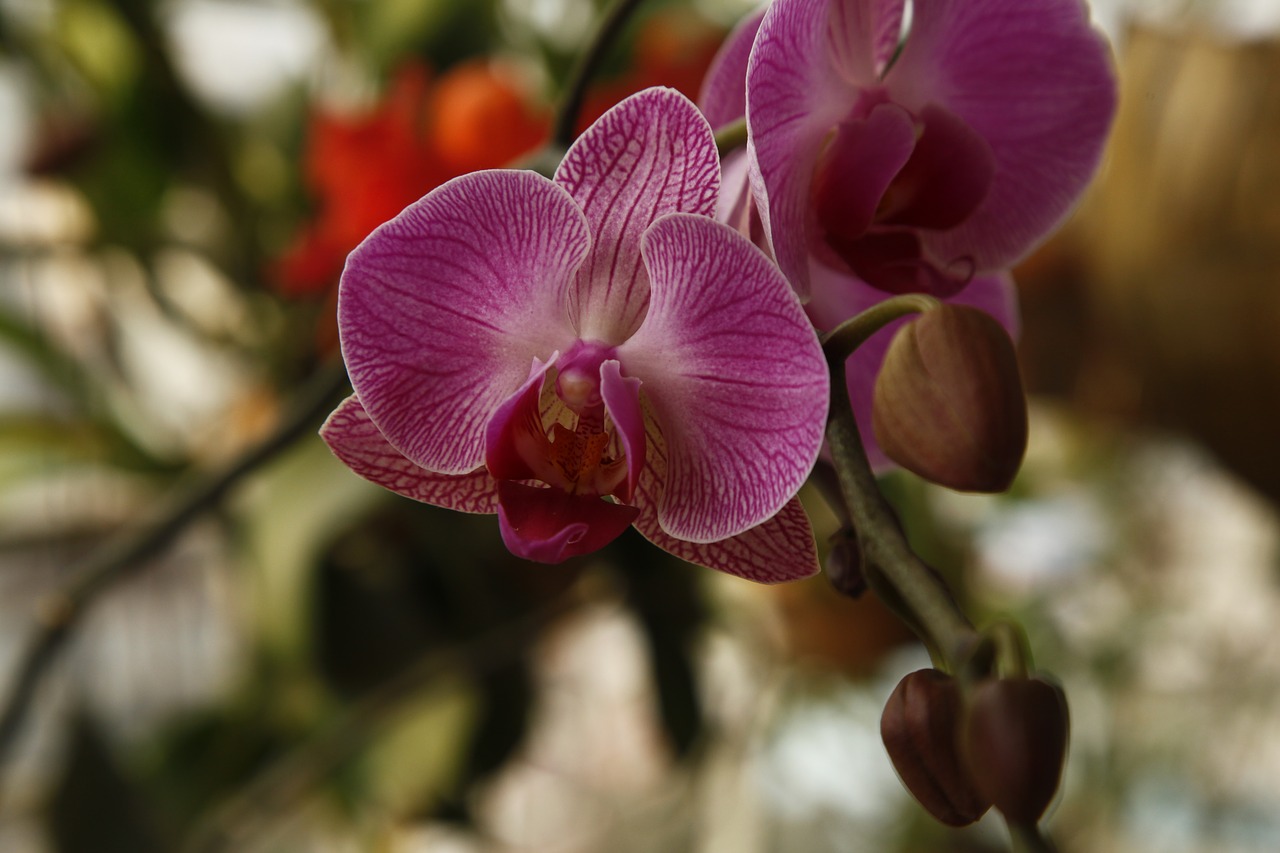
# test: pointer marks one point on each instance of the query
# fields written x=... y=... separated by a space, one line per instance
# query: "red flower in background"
x=363 y=169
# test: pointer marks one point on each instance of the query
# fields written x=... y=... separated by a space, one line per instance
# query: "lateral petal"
x=650 y=155
x=442 y=309
x=353 y=438
x=723 y=98
x=777 y=550
x=733 y=374
x=1034 y=80
x=796 y=95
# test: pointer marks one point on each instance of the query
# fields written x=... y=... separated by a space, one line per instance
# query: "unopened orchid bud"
x=920 y=728
x=949 y=404
x=1015 y=742
x=843 y=565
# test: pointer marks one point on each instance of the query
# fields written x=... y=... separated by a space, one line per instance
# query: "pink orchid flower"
x=913 y=160
x=585 y=354
x=1007 y=102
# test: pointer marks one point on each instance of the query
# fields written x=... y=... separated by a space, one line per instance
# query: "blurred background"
x=317 y=665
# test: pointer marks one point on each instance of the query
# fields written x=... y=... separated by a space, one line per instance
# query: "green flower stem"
x=588 y=63
x=1027 y=838
x=900 y=578
x=730 y=136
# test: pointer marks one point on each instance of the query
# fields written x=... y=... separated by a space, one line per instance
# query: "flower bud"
x=920 y=728
x=949 y=404
x=1015 y=742
x=843 y=565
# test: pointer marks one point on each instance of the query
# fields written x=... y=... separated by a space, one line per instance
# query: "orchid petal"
x=650 y=155
x=513 y=425
x=780 y=549
x=1034 y=80
x=723 y=99
x=838 y=297
x=864 y=157
x=734 y=375
x=622 y=402
x=795 y=96
x=354 y=439
x=441 y=309
x=549 y=525
x=865 y=35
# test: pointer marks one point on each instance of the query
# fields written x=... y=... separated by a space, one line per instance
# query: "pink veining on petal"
x=650 y=155
x=864 y=36
x=778 y=550
x=723 y=99
x=355 y=440
x=549 y=525
x=1035 y=81
x=733 y=374
x=441 y=309
x=795 y=96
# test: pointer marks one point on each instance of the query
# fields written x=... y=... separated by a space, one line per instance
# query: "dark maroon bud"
x=1015 y=742
x=843 y=565
x=949 y=403
x=920 y=728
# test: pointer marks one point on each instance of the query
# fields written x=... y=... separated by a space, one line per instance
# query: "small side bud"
x=920 y=728
x=949 y=404
x=1015 y=743
x=843 y=565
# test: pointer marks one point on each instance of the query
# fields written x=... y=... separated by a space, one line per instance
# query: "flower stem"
x=730 y=136
x=1027 y=838
x=900 y=578
x=611 y=25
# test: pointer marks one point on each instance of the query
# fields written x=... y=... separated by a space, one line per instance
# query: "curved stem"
x=60 y=612
x=900 y=578
x=615 y=19
x=731 y=136
x=1027 y=838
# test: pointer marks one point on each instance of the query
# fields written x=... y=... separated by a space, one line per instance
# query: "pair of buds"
x=961 y=749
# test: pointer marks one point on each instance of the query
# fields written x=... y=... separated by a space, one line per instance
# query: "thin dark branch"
x=615 y=19
x=60 y=612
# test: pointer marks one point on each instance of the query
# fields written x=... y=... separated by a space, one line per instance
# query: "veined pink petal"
x=1033 y=79
x=723 y=98
x=650 y=155
x=780 y=549
x=442 y=309
x=550 y=525
x=838 y=297
x=734 y=376
x=354 y=439
x=622 y=402
x=865 y=34
x=795 y=97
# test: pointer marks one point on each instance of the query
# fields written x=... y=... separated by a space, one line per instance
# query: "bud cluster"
x=960 y=749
